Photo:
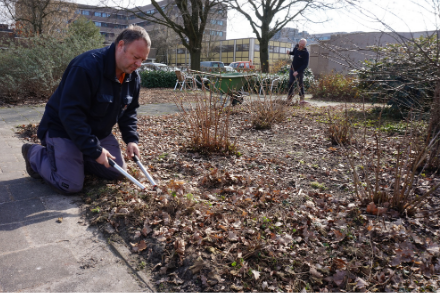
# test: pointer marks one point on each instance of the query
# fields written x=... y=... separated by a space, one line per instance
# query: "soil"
x=279 y=212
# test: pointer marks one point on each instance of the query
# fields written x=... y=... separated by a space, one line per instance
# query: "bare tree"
x=267 y=17
x=165 y=40
x=211 y=47
x=36 y=17
x=405 y=71
x=190 y=24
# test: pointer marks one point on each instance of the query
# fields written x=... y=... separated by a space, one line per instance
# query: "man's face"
x=302 y=44
x=130 y=57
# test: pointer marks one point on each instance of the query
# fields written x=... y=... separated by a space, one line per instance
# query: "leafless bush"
x=208 y=120
x=264 y=114
x=372 y=175
x=339 y=130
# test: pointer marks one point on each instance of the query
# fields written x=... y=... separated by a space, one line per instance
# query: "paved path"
x=37 y=253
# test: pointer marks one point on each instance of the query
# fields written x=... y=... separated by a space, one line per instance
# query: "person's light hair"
x=133 y=33
x=303 y=40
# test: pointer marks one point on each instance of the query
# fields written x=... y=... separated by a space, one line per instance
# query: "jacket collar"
x=110 y=65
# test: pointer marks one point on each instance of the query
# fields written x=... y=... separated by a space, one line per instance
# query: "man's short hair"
x=133 y=33
x=303 y=40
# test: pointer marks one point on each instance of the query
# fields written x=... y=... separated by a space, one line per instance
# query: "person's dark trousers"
x=293 y=82
x=61 y=164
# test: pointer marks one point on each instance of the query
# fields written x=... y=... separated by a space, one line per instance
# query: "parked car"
x=157 y=66
x=212 y=66
x=242 y=65
x=230 y=69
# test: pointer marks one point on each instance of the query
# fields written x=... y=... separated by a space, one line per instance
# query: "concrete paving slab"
x=18 y=211
x=34 y=188
x=5 y=195
x=7 y=158
x=6 y=177
x=10 y=167
x=50 y=230
x=11 y=238
x=32 y=267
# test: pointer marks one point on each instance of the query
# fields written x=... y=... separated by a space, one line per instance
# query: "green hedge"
x=34 y=67
x=158 y=79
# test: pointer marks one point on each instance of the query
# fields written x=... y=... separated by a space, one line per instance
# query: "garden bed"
x=281 y=215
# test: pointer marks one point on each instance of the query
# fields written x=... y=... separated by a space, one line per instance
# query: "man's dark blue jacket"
x=300 y=60
x=89 y=101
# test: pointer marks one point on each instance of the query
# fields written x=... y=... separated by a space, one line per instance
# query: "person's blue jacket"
x=89 y=101
x=300 y=59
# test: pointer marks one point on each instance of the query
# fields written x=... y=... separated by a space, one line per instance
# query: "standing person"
x=98 y=89
x=299 y=64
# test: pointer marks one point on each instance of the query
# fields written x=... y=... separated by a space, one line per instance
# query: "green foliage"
x=317 y=185
x=309 y=79
x=402 y=74
x=35 y=66
x=335 y=87
x=86 y=29
x=158 y=79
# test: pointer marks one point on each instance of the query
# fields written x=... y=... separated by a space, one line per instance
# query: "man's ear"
x=121 y=44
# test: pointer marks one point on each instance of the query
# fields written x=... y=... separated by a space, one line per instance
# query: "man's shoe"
x=24 y=151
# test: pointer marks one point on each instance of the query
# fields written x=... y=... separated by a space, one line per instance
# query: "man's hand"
x=295 y=73
x=103 y=158
x=288 y=52
x=132 y=149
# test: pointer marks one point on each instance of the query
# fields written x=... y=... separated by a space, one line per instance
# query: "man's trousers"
x=61 y=164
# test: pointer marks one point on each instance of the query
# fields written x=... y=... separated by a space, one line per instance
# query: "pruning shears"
x=131 y=178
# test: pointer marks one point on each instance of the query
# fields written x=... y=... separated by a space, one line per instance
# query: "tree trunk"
x=264 y=55
x=195 y=59
x=434 y=128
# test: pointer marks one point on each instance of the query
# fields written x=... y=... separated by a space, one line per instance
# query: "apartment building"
x=111 y=21
x=228 y=51
x=290 y=35
x=344 y=52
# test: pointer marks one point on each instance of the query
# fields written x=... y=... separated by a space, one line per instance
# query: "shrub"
x=402 y=74
x=266 y=113
x=35 y=66
x=208 y=121
x=367 y=166
x=339 y=130
x=158 y=79
x=335 y=87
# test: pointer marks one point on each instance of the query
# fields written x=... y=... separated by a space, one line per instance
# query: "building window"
x=97 y=23
x=220 y=34
x=220 y=22
x=85 y=12
x=228 y=48
x=78 y=11
x=181 y=51
x=257 y=47
x=99 y=14
x=105 y=14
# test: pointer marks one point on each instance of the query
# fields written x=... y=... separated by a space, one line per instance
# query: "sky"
x=401 y=15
